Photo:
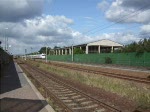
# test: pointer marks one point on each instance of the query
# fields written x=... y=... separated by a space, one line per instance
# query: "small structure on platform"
x=101 y=46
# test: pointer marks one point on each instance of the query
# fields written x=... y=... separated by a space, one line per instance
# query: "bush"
x=78 y=51
x=108 y=60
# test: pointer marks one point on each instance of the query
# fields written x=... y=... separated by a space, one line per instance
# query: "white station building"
x=101 y=46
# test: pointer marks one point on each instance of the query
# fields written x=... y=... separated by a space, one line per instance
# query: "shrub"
x=108 y=60
x=78 y=51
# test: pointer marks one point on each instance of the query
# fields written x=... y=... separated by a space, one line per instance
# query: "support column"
x=112 y=49
x=87 y=49
x=65 y=51
x=56 y=53
x=70 y=51
x=62 y=52
x=99 y=49
x=59 y=51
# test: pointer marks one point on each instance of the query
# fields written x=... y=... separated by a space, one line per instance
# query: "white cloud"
x=145 y=31
x=27 y=27
x=17 y=10
x=89 y=18
x=103 y=5
x=135 y=11
x=123 y=38
x=145 y=28
x=52 y=31
x=47 y=29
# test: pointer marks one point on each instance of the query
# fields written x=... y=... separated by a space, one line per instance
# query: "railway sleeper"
x=85 y=107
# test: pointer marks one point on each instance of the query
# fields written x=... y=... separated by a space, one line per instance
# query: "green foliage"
x=107 y=50
x=118 y=50
x=43 y=50
x=139 y=47
x=108 y=60
x=78 y=51
x=56 y=47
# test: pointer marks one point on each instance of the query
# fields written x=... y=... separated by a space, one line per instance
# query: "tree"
x=131 y=47
x=139 y=47
x=56 y=47
x=78 y=51
x=146 y=44
x=43 y=50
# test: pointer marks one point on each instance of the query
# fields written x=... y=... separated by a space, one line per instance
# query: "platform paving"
x=18 y=94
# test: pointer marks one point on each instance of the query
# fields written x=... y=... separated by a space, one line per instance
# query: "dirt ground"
x=120 y=71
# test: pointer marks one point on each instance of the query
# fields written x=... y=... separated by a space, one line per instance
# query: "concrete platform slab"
x=18 y=94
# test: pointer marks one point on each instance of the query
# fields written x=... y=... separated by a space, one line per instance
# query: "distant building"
x=101 y=46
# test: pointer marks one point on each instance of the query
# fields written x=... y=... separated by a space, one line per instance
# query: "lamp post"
x=31 y=50
x=6 y=40
x=9 y=48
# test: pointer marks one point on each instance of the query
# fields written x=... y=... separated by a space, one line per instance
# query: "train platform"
x=18 y=94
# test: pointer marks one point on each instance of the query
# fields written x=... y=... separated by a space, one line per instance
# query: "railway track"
x=114 y=75
x=69 y=99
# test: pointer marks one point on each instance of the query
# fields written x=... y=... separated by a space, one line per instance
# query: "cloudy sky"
x=37 y=23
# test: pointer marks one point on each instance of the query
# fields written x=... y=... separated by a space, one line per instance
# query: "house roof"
x=105 y=42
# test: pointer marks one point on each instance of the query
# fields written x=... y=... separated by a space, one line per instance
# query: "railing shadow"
x=21 y=105
x=10 y=80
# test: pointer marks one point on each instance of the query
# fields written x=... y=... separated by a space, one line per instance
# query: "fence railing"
x=130 y=59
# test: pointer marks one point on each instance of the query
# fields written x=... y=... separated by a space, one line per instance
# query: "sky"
x=32 y=24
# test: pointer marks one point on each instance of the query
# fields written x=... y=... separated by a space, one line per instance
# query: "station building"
x=101 y=46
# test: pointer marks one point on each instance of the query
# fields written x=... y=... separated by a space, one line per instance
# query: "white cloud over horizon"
x=145 y=28
x=17 y=10
x=39 y=31
x=29 y=27
x=103 y=5
x=129 y=11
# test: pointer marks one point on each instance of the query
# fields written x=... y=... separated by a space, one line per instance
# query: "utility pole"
x=7 y=44
x=46 y=54
x=72 y=52
x=31 y=52
x=5 y=40
x=25 y=54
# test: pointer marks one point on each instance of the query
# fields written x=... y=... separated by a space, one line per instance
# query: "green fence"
x=131 y=59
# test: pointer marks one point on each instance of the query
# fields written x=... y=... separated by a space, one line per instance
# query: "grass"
x=137 y=92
